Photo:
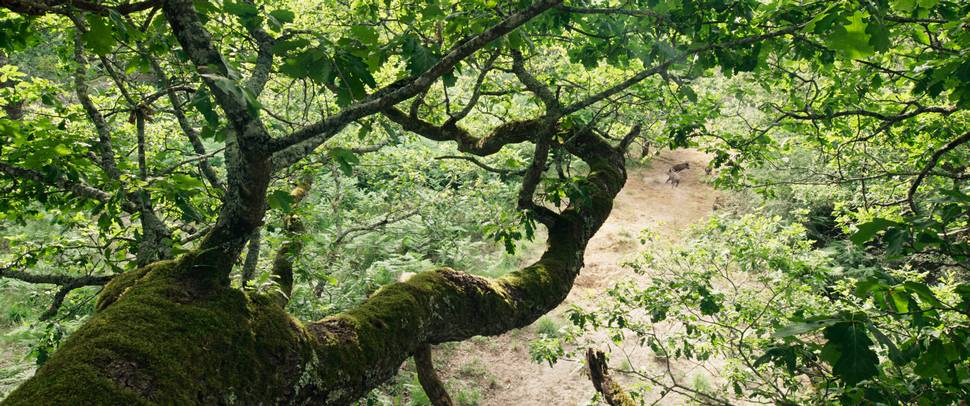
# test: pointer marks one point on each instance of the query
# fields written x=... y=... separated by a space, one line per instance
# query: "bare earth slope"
x=506 y=374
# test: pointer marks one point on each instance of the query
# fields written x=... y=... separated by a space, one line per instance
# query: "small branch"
x=432 y=385
x=628 y=139
x=637 y=78
x=388 y=219
x=67 y=283
x=293 y=245
x=934 y=159
x=79 y=188
x=252 y=257
x=618 y=11
x=483 y=165
x=57 y=302
x=187 y=129
x=264 y=57
x=203 y=157
x=105 y=152
x=63 y=280
x=600 y=375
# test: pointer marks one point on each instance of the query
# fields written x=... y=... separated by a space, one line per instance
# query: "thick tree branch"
x=252 y=257
x=67 y=284
x=332 y=361
x=63 y=280
x=553 y=107
x=247 y=156
x=531 y=179
x=42 y=7
x=509 y=133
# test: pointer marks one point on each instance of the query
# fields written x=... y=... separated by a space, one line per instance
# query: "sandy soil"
x=505 y=373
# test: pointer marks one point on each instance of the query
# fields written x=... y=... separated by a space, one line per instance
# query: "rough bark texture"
x=175 y=332
x=165 y=335
x=432 y=385
x=599 y=373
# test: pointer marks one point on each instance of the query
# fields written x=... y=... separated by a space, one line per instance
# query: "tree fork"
x=162 y=335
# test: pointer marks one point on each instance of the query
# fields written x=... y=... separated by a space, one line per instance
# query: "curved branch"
x=447 y=305
x=934 y=159
x=505 y=134
x=308 y=138
x=476 y=93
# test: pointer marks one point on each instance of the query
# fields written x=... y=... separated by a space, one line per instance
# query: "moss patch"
x=153 y=341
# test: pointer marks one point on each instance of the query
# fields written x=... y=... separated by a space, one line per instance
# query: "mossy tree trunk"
x=163 y=335
x=175 y=332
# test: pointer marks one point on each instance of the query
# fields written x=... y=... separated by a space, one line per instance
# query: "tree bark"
x=162 y=334
x=599 y=373
x=432 y=385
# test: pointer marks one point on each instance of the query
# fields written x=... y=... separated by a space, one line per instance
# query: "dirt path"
x=501 y=366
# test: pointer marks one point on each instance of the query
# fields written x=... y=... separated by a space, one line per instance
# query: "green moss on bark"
x=155 y=341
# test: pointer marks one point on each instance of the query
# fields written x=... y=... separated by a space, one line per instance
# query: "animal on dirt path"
x=679 y=167
x=673 y=178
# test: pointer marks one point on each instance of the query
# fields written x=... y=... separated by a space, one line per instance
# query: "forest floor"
x=500 y=371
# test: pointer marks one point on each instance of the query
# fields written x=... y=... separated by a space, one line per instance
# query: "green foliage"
x=856 y=293
x=548 y=327
x=787 y=305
